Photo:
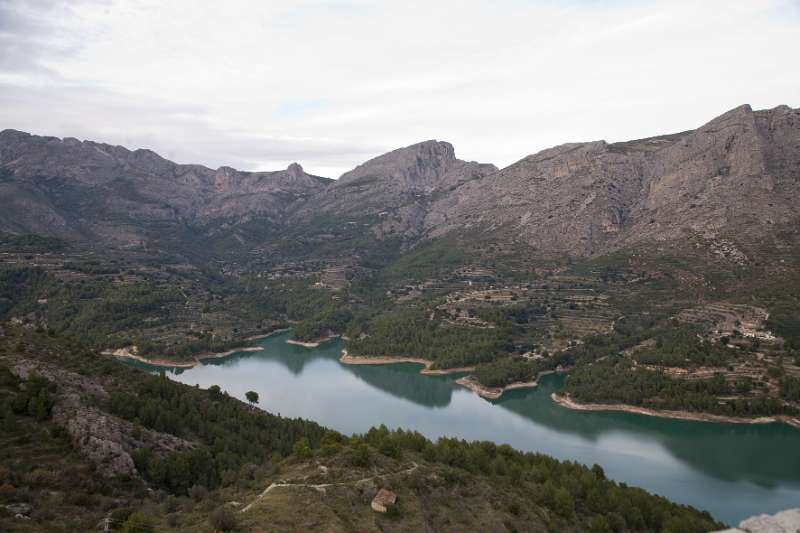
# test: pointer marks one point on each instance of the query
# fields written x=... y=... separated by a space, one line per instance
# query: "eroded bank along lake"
x=733 y=471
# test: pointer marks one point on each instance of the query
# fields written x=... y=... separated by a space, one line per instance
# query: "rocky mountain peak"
x=9 y=134
x=418 y=168
x=295 y=170
x=396 y=187
x=412 y=162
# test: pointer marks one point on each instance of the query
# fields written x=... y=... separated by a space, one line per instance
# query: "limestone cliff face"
x=396 y=187
x=738 y=175
x=89 y=190
x=421 y=168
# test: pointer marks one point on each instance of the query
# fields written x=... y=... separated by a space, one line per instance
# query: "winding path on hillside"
x=322 y=486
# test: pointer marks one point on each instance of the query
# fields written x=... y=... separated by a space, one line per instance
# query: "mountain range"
x=736 y=177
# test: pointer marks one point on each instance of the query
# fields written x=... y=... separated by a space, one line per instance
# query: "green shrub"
x=301 y=449
x=223 y=519
x=138 y=523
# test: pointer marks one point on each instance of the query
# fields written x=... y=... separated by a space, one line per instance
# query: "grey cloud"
x=28 y=35
x=177 y=132
x=256 y=85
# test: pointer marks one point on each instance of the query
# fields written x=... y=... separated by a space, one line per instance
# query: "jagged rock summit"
x=420 y=168
x=390 y=194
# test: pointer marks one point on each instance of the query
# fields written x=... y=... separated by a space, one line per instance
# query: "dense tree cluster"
x=681 y=346
x=31 y=243
x=20 y=286
x=204 y=343
x=413 y=333
x=93 y=309
x=505 y=370
x=34 y=396
x=570 y=490
x=330 y=318
x=616 y=380
x=782 y=295
x=784 y=320
x=790 y=388
x=229 y=435
x=512 y=314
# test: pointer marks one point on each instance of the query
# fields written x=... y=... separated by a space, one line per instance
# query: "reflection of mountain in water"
x=761 y=454
x=405 y=381
x=293 y=357
x=401 y=381
x=765 y=455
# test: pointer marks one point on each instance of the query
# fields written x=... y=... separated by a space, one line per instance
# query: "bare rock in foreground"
x=783 y=522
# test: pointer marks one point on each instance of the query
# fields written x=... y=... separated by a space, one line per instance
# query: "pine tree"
x=252 y=397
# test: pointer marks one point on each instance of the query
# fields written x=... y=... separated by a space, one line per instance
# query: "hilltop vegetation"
x=162 y=310
x=619 y=382
x=411 y=333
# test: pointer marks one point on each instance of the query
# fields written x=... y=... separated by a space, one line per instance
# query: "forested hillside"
x=234 y=451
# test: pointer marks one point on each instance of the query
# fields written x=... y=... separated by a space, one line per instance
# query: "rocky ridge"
x=733 y=181
x=737 y=175
x=104 y=440
x=391 y=193
x=87 y=190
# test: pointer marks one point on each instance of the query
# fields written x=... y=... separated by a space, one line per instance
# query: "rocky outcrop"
x=19 y=510
x=383 y=500
x=421 y=168
x=104 y=440
x=783 y=522
x=390 y=194
x=737 y=175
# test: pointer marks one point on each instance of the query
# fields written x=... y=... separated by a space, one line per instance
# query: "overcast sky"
x=329 y=83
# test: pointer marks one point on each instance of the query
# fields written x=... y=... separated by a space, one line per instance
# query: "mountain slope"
x=738 y=175
x=87 y=190
x=391 y=193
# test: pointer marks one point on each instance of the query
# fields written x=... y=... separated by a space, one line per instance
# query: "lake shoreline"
x=312 y=344
x=348 y=359
x=127 y=352
x=569 y=403
x=266 y=335
x=468 y=382
x=493 y=393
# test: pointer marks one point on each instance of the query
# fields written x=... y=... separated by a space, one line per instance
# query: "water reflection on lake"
x=731 y=470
